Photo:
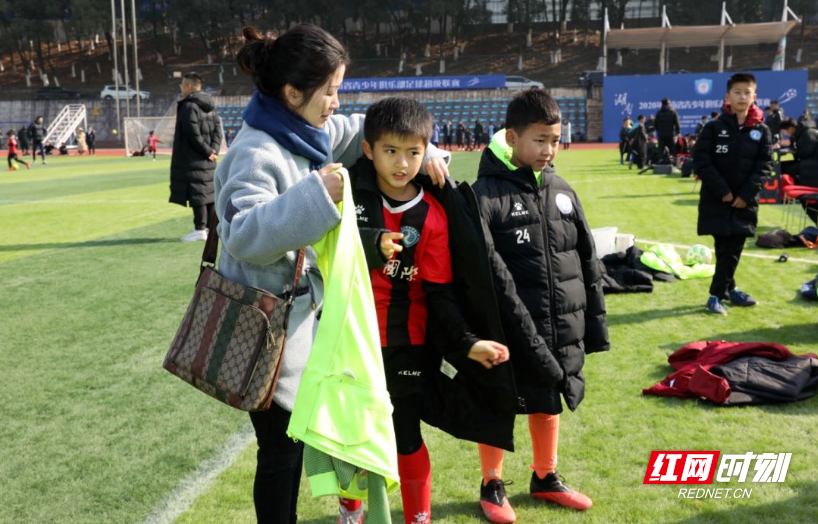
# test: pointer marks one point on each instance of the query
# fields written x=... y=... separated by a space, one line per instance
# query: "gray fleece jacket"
x=269 y=206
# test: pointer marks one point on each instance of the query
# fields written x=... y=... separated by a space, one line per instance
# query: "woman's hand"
x=437 y=170
x=488 y=353
x=388 y=245
x=334 y=182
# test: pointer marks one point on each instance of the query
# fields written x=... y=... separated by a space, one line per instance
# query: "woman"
x=82 y=147
x=276 y=192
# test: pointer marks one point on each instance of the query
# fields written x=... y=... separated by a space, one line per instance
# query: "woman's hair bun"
x=251 y=54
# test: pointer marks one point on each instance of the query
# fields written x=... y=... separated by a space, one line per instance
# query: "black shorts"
x=403 y=367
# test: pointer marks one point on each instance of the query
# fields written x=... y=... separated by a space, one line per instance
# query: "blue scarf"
x=270 y=115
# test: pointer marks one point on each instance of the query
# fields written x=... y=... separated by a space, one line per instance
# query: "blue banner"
x=423 y=83
x=693 y=96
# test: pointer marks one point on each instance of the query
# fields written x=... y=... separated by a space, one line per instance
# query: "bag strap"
x=211 y=247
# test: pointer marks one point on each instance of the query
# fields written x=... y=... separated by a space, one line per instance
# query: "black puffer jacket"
x=198 y=134
x=542 y=235
x=734 y=160
x=806 y=151
x=667 y=122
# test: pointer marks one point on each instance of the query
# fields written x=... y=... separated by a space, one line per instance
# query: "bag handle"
x=211 y=247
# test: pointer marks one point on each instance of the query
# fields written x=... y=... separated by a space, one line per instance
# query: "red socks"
x=416 y=486
x=350 y=504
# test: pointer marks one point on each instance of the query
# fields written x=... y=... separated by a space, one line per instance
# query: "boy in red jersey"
x=12 y=143
x=152 y=141
x=405 y=233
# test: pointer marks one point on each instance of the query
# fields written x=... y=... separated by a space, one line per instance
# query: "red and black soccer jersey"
x=13 y=145
x=152 y=141
x=399 y=296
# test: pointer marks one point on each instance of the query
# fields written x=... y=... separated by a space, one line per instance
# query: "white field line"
x=753 y=255
x=190 y=488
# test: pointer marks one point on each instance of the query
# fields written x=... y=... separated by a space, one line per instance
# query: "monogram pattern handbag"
x=232 y=337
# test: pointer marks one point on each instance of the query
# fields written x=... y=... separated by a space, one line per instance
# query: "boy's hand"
x=739 y=203
x=488 y=353
x=388 y=246
x=437 y=170
x=727 y=198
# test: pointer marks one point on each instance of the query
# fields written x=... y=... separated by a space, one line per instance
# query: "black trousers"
x=667 y=142
x=728 y=253
x=640 y=154
x=404 y=370
x=201 y=216
x=278 y=468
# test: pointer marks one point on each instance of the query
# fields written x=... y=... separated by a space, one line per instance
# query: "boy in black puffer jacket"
x=732 y=157
x=539 y=229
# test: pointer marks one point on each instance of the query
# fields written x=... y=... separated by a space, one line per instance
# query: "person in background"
x=12 y=155
x=152 y=142
x=459 y=134
x=37 y=132
x=22 y=136
x=624 y=147
x=638 y=140
x=448 y=131
x=732 y=157
x=650 y=125
x=91 y=139
x=667 y=127
x=566 y=135
x=82 y=145
x=700 y=125
x=774 y=119
x=478 y=134
x=196 y=143
x=435 y=135
x=805 y=119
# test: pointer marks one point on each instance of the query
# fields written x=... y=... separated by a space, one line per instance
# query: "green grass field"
x=93 y=283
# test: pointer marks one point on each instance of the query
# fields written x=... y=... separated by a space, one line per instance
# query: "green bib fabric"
x=664 y=258
x=342 y=407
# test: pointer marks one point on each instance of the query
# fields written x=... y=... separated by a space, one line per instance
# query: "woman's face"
x=323 y=102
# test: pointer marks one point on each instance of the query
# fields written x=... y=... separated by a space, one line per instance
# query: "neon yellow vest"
x=342 y=407
x=664 y=258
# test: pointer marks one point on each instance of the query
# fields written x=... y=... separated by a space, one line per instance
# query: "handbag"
x=231 y=341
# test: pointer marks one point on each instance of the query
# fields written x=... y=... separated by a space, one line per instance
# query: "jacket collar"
x=755 y=116
x=496 y=162
x=366 y=179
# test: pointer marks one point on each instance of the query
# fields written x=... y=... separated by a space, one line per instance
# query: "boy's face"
x=741 y=95
x=536 y=146
x=397 y=159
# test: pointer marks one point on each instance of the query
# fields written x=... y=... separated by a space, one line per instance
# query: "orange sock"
x=545 y=432
x=491 y=462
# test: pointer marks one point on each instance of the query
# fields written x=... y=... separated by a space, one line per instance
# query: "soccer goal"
x=138 y=129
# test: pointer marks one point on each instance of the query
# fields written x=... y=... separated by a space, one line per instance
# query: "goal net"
x=137 y=131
